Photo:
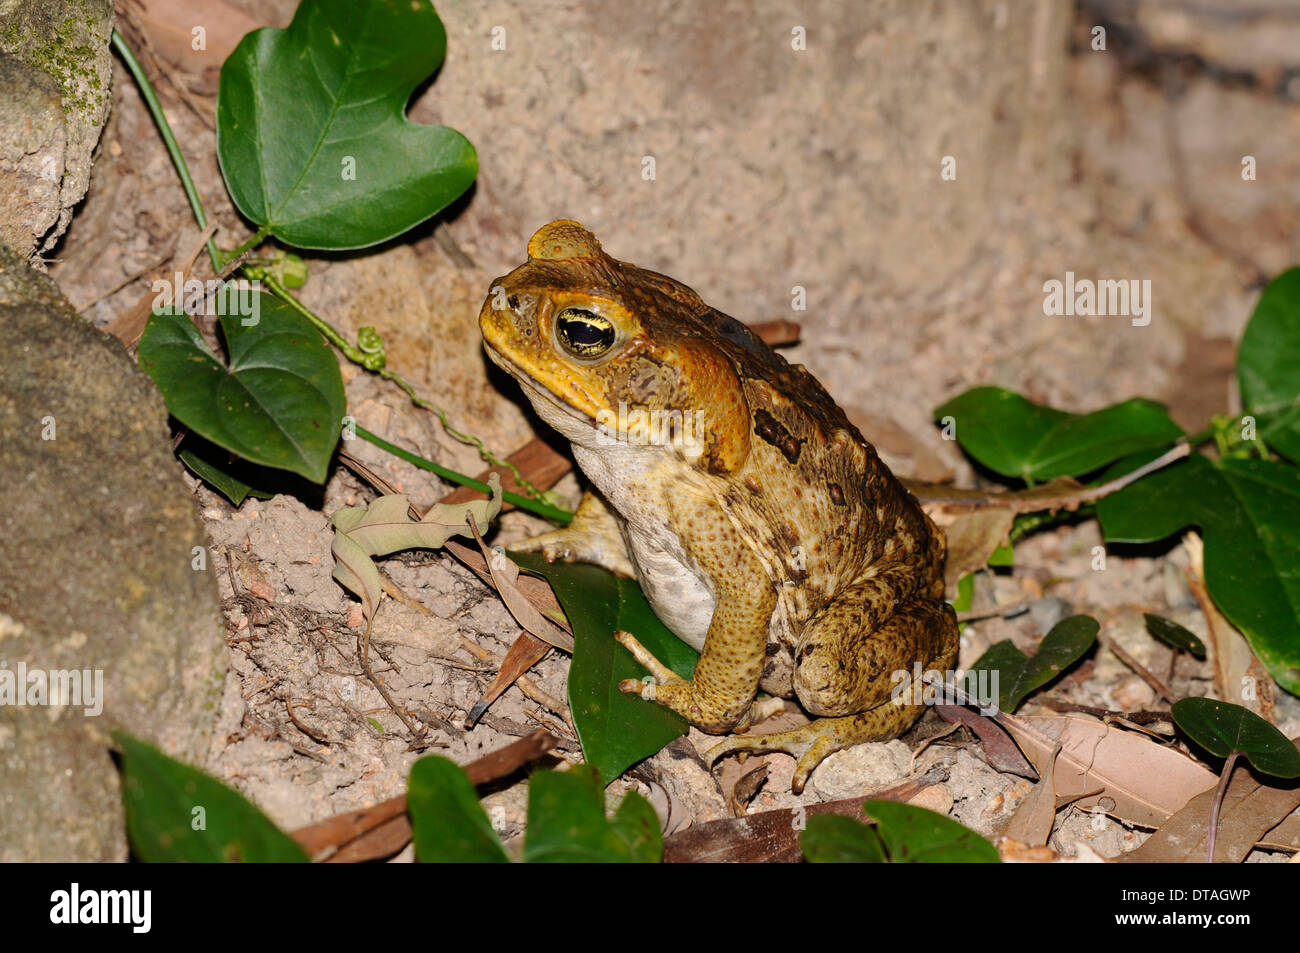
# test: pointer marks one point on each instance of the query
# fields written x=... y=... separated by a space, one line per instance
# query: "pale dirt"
x=775 y=168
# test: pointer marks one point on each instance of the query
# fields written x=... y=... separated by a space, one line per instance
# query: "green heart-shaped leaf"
x=312 y=131
x=567 y=824
x=616 y=729
x=1222 y=728
x=279 y=403
x=917 y=835
x=177 y=813
x=448 y=823
x=1249 y=514
x=835 y=839
x=1018 y=438
x=1016 y=674
x=1268 y=365
x=215 y=466
x=1171 y=633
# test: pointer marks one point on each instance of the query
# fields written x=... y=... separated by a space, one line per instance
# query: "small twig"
x=955 y=726
x=82 y=309
x=307 y=753
x=1145 y=673
x=364 y=655
x=1137 y=717
x=1178 y=451
x=257 y=691
x=314 y=736
x=524 y=683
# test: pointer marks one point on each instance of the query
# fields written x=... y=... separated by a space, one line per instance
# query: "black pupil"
x=585 y=333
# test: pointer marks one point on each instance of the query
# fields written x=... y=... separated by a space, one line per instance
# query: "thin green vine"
x=169 y=140
x=368 y=353
x=540 y=507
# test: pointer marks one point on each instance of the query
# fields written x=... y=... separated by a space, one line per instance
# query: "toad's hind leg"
x=847 y=673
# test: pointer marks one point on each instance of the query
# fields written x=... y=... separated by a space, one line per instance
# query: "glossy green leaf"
x=279 y=403
x=1171 y=633
x=834 y=839
x=1268 y=365
x=218 y=469
x=567 y=823
x=915 y=835
x=447 y=821
x=1017 y=674
x=965 y=597
x=637 y=825
x=1003 y=556
x=1222 y=728
x=312 y=131
x=1018 y=438
x=616 y=730
x=177 y=813
x=1249 y=514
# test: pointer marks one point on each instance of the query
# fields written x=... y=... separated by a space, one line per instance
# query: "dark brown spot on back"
x=771 y=431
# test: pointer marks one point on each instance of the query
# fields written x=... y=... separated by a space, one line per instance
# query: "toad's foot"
x=706 y=710
x=811 y=743
x=592 y=537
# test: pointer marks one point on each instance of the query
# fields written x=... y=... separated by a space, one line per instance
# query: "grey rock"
x=55 y=73
x=95 y=576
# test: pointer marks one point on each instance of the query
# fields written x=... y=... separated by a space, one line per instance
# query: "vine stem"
x=169 y=140
x=218 y=258
x=374 y=362
x=1218 y=803
x=514 y=499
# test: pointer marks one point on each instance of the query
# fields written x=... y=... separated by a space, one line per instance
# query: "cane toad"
x=764 y=530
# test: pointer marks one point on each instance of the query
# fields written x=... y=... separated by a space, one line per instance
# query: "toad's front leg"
x=720 y=696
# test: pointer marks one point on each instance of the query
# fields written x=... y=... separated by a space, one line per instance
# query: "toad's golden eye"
x=584 y=333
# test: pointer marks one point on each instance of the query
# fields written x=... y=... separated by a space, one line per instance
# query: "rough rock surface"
x=55 y=70
x=97 y=575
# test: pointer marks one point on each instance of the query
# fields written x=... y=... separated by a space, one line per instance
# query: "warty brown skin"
x=776 y=540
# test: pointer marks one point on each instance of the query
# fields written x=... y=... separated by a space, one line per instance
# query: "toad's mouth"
x=534 y=389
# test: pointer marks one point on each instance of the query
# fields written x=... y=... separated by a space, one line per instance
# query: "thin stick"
x=364 y=653
x=1145 y=673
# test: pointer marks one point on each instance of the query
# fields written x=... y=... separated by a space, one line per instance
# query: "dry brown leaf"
x=773 y=836
x=526 y=652
x=1128 y=775
x=1032 y=822
x=1238 y=676
x=171 y=25
x=999 y=750
x=505 y=577
x=972 y=538
x=1250 y=812
x=1013 y=851
x=537 y=461
x=1286 y=835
